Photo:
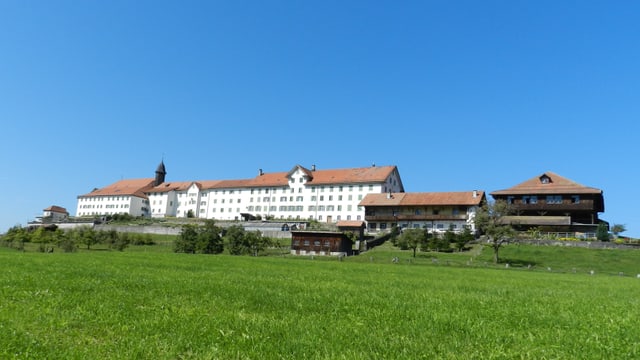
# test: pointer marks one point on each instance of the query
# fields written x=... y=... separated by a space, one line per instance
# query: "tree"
x=411 y=239
x=209 y=240
x=85 y=235
x=17 y=236
x=463 y=238
x=257 y=242
x=235 y=239
x=490 y=221
x=602 y=233
x=186 y=241
x=616 y=229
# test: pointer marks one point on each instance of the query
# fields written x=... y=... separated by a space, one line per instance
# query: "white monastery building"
x=300 y=193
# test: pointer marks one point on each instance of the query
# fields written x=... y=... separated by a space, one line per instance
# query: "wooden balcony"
x=568 y=207
x=407 y=217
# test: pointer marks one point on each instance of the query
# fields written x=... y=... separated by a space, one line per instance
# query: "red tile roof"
x=350 y=223
x=128 y=187
x=57 y=209
x=556 y=185
x=374 y=174
x=432 y=198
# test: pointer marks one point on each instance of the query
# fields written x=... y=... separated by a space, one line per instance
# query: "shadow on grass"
x=517 y=262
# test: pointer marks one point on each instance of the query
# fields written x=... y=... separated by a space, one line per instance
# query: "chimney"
x=475 y=194
x=313 y=167
x=260 y=173
x=389 y=194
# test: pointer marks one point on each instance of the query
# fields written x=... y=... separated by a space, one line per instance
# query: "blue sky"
x=460 y=95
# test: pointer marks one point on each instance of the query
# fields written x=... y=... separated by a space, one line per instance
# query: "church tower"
x=160 y=173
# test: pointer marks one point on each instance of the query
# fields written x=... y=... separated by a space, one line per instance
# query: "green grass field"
x=149 y=303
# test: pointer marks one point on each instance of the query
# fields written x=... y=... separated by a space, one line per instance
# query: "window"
x=330 y=197
x=331 y=188
x=359 y=187
x=554 y=199
x=509 y=199
x=575 y=199
x=301 y=180
x=340 y=188
x=299 y=198
x=283 y=199
x=371 y=187
x=339 y=197
x=339 y=207
x=314 y=198
x=350 y=187
x=321 y=197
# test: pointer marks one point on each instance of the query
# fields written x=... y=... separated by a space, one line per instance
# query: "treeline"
x=51 y=237
x=212 y=239
x=414 y=239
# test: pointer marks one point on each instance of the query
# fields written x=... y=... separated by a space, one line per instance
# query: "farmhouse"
x=551 y=202
x=435 y=211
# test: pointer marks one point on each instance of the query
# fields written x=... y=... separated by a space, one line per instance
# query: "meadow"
x=149 y=303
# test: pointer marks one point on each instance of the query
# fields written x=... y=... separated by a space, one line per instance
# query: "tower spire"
x=160 y=173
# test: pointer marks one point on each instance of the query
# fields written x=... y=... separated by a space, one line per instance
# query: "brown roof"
x=556 y=185
x=373 y=174
x=432 y=198
x=356 y=175
x=58 y=209
x=170 y=186
x=350 y=223
x=131 y=187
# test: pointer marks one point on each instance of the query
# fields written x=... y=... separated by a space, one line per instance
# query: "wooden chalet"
x=551 y=202
x=435 y=211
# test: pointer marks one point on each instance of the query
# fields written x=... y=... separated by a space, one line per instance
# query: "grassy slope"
x=159 y=305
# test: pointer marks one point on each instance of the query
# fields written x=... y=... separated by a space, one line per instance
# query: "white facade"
x=109 y=205
x=324 y=195
x=295 y=196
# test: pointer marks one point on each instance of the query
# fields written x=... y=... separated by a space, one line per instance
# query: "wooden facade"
x=437 y=212
x=551 y=202
x=320 y=243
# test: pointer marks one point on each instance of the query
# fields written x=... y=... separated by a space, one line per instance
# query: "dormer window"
x=544 y=179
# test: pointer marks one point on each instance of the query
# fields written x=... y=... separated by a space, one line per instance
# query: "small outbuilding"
x=320 y=243
x=355 y=226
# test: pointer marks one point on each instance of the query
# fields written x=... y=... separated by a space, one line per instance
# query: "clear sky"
x=460 y=95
